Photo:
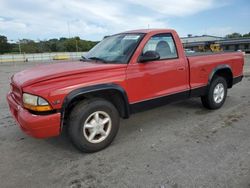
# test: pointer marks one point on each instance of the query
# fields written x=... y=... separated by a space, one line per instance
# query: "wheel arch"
x=224 y=71
x=119 y=97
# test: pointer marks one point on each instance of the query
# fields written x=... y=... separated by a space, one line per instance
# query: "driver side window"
x=163 y=44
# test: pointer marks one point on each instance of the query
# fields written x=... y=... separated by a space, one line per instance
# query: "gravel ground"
x=178 y=145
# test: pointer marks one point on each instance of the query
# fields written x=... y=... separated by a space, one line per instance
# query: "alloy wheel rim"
x=218 y=93
x=97 y=127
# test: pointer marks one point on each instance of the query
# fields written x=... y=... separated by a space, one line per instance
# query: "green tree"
x=234 y=35
x=5 y=47
x=246 y=35
x=86 y=45
x=53 y=45
x=70 y=44
x=29 y=46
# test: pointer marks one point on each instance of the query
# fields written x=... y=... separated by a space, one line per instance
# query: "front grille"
x=16 y=93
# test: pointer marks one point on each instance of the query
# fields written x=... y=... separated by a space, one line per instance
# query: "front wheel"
x=216 y=94
x=93 y=124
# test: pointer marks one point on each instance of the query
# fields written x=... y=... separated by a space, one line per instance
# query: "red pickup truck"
x=123 y=74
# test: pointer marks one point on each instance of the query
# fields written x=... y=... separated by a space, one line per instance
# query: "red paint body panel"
x=42 y=73
x=34 y=125
x=141 y=81
x=158 y=78
x=59 y=87
x=202 y=66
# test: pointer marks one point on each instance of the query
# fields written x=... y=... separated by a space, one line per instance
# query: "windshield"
x=115 y=49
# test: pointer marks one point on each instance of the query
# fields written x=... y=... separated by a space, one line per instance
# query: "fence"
x=40 y=57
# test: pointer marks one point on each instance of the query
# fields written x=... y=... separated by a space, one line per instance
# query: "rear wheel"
x=216 y=94
x=93 y=124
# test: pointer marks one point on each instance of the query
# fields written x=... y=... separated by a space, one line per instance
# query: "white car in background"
x=187 y=50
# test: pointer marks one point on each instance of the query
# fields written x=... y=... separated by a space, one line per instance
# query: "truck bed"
x=202 y=64
x=188 y=54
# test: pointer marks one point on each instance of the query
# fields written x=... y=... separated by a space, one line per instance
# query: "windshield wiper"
x=98 y=59
x=83 y=58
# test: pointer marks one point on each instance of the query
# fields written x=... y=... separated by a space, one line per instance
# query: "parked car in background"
x=187 y=50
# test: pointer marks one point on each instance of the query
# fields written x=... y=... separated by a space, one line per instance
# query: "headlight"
x=35 y=103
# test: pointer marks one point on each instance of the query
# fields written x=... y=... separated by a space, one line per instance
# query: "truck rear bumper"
x=38 y=126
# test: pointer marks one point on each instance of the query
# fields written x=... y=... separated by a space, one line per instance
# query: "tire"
x=83 y=122
x=209 y=100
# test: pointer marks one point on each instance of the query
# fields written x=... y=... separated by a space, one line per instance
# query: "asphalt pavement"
x=177 y=145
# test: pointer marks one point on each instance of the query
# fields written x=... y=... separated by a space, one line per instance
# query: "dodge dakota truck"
x=123 y=74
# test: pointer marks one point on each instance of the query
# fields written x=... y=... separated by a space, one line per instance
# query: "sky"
x=93 y=19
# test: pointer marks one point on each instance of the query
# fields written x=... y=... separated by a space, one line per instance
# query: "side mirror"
x=149 y=56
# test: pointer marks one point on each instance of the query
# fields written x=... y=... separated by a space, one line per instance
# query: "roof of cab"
x=150 y=31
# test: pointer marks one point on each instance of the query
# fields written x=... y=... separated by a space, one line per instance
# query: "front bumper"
x=38 y=126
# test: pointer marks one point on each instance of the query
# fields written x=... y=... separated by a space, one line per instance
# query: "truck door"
x=158 y=78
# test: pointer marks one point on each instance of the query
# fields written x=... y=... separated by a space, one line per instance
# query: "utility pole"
x=68 y=29
x=76 y=46
x=19 y=45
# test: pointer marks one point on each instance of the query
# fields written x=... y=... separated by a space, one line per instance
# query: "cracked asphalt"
x=177 y=145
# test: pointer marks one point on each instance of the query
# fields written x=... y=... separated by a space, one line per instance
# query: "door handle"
x=181 y=68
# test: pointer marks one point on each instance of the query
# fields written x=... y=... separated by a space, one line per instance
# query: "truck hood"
x=46 y=72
